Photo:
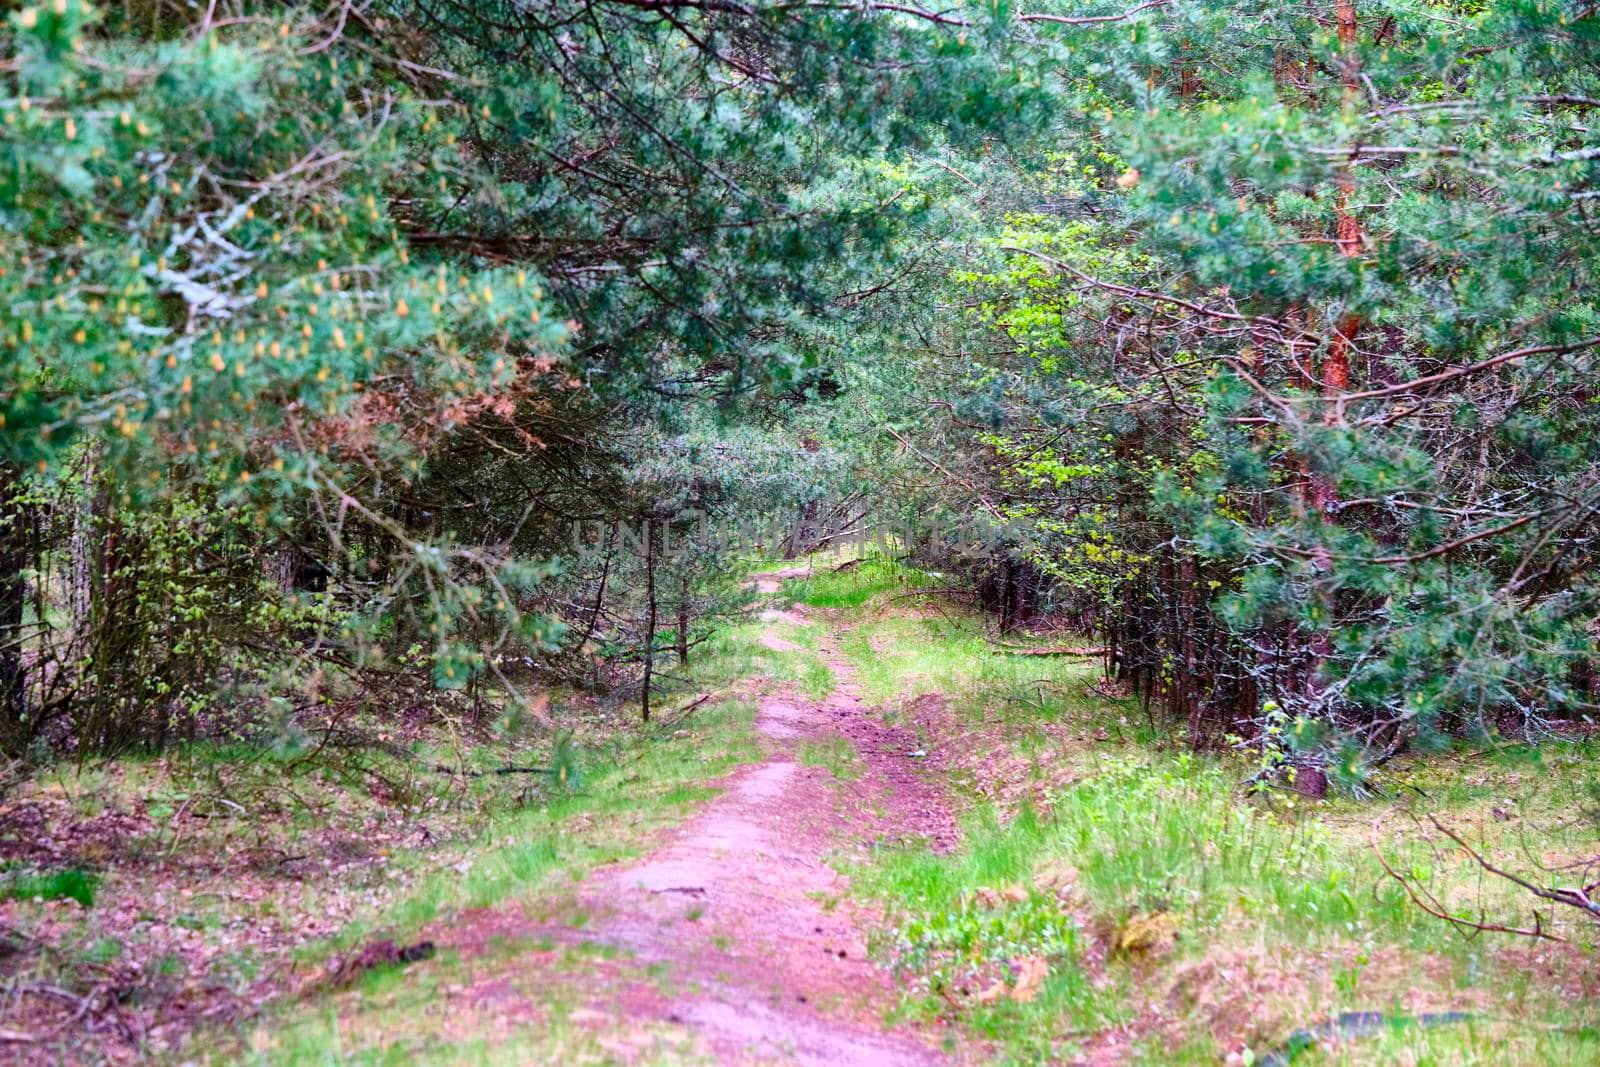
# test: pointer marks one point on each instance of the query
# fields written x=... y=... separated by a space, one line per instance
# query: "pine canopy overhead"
x=1260 y=334
x=312 y=265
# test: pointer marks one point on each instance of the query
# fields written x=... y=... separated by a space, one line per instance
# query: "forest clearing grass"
x=1164 y=900
x=848 y=581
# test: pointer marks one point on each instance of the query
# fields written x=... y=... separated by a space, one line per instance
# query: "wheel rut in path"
x=735 y=906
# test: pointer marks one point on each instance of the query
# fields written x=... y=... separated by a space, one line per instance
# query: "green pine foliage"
x=1260 y=339
x=389 y=300
x=1281 y=374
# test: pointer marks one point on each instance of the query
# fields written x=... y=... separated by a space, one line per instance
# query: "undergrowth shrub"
x=1138 y=838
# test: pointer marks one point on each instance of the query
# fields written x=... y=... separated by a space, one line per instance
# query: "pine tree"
x=1321 y=277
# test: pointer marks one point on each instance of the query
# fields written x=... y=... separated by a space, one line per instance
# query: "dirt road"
x=743 y=909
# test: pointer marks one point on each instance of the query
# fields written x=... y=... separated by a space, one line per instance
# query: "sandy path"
x=742 y=909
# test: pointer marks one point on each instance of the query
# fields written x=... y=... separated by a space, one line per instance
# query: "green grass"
x=903 y=655
x=837 y=754
x=1270 y=912
x=808 y=674
x=808 y=635
x=904 y=646
x=873 y=577
x=1142 y=837
x=72 y=883
x=554 y=844
x=1168 y=837
x=736 y=654
x=528 y=857
x=533 y=857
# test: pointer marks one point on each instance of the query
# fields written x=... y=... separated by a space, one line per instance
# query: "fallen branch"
x=683 y=712
x=1054 y=650
x=374 y=955
x=445 y=768
x=1573 y=898
x=1433 y=906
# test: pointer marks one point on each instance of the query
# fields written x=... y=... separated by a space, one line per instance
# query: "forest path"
x=766 y=957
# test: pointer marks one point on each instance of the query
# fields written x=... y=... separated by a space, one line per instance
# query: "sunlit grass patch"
x=738 y=653
x=808 y=674
x=808 y=635
x=904 y=655
x=1140 y=837
x=608 y=818
x=1157 y=860
x=837 y=754
x=931 y=646
x=71 y=883
x=874 y=577
x=635 y=780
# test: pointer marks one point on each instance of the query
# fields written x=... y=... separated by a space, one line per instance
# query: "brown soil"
x=765 y=959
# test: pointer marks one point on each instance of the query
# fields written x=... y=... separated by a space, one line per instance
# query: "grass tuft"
x=71 y=883
x=837 y=754
x=873 y=577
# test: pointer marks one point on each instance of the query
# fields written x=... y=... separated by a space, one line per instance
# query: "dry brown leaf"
x=1055 y=877
x=1031 y=973
x=1148 y=934
x=991 y=994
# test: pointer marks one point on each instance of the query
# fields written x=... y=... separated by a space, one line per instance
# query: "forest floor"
x=751 y=945
x=733 y=938
x=883 y=837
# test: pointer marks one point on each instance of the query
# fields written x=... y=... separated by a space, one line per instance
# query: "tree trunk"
x=1347 y=230
x=1336 y=367
x=82 y=553
x=800 y=534
x=650 y=616
x=1189 y=598
x=14 y=719
x=683 y=620
x=599 y=603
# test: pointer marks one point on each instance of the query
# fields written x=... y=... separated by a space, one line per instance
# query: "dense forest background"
x=1260 y=335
